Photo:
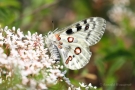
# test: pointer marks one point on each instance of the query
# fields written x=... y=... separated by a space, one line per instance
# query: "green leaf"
x=100 y=65
x=116 y=65
x=7 y=3
x=110 y=83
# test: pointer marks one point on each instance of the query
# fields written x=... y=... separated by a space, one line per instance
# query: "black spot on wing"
x=79 y=27
x=88 y=34
x=77 y=61
x=69 y=31
x=91 y=19
x=77 y=24
x=56 y=60
x=94 y=24
x=85 y=21
x=86 y=27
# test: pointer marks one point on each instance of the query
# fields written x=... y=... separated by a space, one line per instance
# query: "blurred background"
x=112 y=65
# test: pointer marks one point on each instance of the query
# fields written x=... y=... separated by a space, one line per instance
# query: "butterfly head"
x=52 y=38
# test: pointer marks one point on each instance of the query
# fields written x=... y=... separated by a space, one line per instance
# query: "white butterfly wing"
x=75 y=55
x=76 y=39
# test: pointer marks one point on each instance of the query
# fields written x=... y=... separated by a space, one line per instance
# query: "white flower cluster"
x=119 y=2
x=120 y=11
x=25 y=64
x=84 y=87
x=27 y=53
x=117 y=14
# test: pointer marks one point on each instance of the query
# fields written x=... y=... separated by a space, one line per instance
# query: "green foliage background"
x=113 y=61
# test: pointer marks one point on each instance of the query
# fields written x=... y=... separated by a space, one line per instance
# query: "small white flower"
x=33 y=83
x=90 y=85
x=42 y=86
x=25 y=80
x=95 y=87
x=51 y=79
x=0 y=80
x=78 y=88
x=69 y=88
x=82 y=84
x=61 y=67
x=13 y=28
x=6 y=28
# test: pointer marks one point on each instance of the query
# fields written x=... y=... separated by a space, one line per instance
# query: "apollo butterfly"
x=72 y=43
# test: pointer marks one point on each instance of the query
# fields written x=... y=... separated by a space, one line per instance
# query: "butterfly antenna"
x=53 y=27
x=53 y=24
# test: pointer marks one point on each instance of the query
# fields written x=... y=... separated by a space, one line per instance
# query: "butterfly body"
x=72 y=43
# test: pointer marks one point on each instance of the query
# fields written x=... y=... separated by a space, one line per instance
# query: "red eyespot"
x=77 y=50
x=69 y=59
x=70 y=39
x=60 y=43
x=87 y=27
x=57 y=37
x=59 y=46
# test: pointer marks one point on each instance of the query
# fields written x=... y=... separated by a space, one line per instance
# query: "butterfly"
x=72 y=43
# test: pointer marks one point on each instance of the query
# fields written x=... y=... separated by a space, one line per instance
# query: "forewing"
x=90 y=30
